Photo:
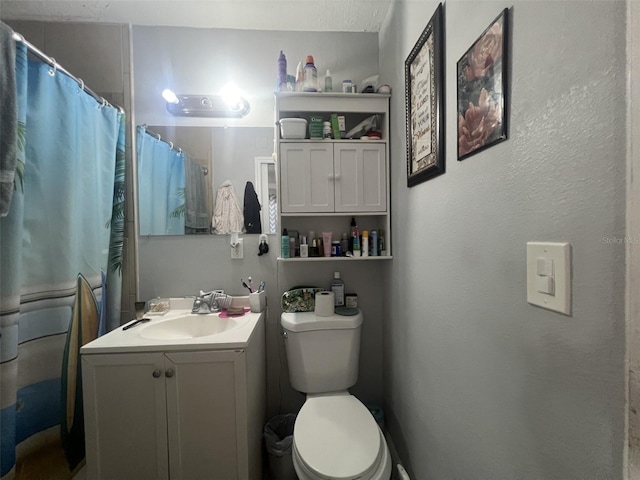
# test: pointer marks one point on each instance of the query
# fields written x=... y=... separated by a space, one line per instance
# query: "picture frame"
x=482 y=90
x=424 y=103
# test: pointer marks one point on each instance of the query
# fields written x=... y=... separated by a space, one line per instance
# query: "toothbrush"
x=261 y=287
x=246 y=286
x=251 y=284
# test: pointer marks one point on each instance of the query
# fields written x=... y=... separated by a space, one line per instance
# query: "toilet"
x=335 y=437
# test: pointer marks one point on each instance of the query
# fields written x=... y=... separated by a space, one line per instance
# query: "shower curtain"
x=161 y=186
x=65 y=223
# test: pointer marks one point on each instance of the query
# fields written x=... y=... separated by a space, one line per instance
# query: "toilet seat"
x=336 y=437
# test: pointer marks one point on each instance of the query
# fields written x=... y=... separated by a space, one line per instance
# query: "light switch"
x=549 y=276
x=545 y=285
x=545 y=266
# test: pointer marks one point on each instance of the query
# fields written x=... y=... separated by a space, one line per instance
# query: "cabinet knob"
x=169 y=372
x=156 y=373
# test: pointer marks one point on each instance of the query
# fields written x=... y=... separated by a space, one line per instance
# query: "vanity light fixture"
x=229 y=104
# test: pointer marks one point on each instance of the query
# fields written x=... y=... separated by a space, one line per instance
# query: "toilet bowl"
x=336 y=437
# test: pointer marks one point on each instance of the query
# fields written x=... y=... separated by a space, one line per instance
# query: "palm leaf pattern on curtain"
x=116 y=222
x=22 y=140
x=178 y=212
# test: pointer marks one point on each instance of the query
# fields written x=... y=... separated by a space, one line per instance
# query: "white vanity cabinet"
x=333 y=177
x=323 y=183
x=175 y=414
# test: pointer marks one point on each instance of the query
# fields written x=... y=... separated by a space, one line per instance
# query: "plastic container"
x=337 y=287
x=347 y=86
x=278 y=438
x=295 y=128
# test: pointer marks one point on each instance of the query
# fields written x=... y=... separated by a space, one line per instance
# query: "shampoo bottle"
x=285 y=248
x=337 y=287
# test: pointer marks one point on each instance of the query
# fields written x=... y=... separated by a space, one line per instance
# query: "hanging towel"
x=252 y=222
x=196 y=218
x=8 y=117
x=227 y=215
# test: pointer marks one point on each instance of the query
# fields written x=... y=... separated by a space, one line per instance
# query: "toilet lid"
x=337 y=437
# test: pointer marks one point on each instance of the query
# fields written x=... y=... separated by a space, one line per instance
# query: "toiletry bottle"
x=304 y=247
x=310 y=76
x=284 y=245
x=328 y=82
x=337 y=287
x=365 y=243
x=344 y=244
x=356 y=243
x=292 y=247
x=373 y=247
x=352 y=232
x=282 y=72
x=382 y=249
x=299 y=77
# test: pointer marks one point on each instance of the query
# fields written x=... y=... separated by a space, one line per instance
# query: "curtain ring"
x=81 y=82
x=54 y=67
x=158 y=136
x=179 y=150
x=171 y=145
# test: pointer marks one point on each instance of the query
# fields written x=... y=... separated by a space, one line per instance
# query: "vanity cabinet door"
x=207 y=415
x=360 y=177
x=125 y=416
x=306 y=177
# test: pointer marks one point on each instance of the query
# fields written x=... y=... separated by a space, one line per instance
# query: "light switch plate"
x=560 y=253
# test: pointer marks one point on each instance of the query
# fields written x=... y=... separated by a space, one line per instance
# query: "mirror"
x=182 y=170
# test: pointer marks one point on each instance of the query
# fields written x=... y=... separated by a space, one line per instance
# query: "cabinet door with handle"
x=306 y=177
x=360 y=177
x=125 y=416
x=206 y=412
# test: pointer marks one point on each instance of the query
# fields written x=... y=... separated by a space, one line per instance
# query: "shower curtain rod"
x=56 y=66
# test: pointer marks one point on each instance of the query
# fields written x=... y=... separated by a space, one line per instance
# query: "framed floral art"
x=424 y=103
x=482 y=87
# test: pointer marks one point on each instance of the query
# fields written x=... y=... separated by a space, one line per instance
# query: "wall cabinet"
x=325 y=182
x=174 y=415
x=333 y=177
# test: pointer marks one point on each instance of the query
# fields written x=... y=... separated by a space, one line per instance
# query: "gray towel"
x=8 y=117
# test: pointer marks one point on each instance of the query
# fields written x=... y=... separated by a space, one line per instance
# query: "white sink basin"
x=189 y=326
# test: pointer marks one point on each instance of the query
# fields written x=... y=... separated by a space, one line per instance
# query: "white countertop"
x=131 y=341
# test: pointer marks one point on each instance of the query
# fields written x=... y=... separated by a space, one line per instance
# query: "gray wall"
x=478 y=384
x=200 y=61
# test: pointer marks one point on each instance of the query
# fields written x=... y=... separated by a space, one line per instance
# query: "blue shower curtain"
x=161 y=186
x=60 y=224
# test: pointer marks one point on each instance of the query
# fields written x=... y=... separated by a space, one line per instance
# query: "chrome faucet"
x=205 y=303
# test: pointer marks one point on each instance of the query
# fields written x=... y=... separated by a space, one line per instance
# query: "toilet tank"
x=322 y=352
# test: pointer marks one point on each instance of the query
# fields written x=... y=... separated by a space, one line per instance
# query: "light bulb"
x=169 y=96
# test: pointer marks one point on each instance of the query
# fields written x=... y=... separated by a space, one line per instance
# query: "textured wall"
x=478 y=383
